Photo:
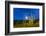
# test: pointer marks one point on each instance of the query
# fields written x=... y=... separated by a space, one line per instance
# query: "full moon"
x=26 y=17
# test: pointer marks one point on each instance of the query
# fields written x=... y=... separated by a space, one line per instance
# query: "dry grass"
x=30 y=24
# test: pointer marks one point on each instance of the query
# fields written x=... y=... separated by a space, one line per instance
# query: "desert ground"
x=26 y=23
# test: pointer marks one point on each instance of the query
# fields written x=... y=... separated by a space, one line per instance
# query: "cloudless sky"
x=20 y=13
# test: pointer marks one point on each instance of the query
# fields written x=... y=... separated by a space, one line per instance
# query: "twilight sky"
x=23 y=13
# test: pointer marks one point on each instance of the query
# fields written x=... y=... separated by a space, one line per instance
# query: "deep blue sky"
x=20 y=13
